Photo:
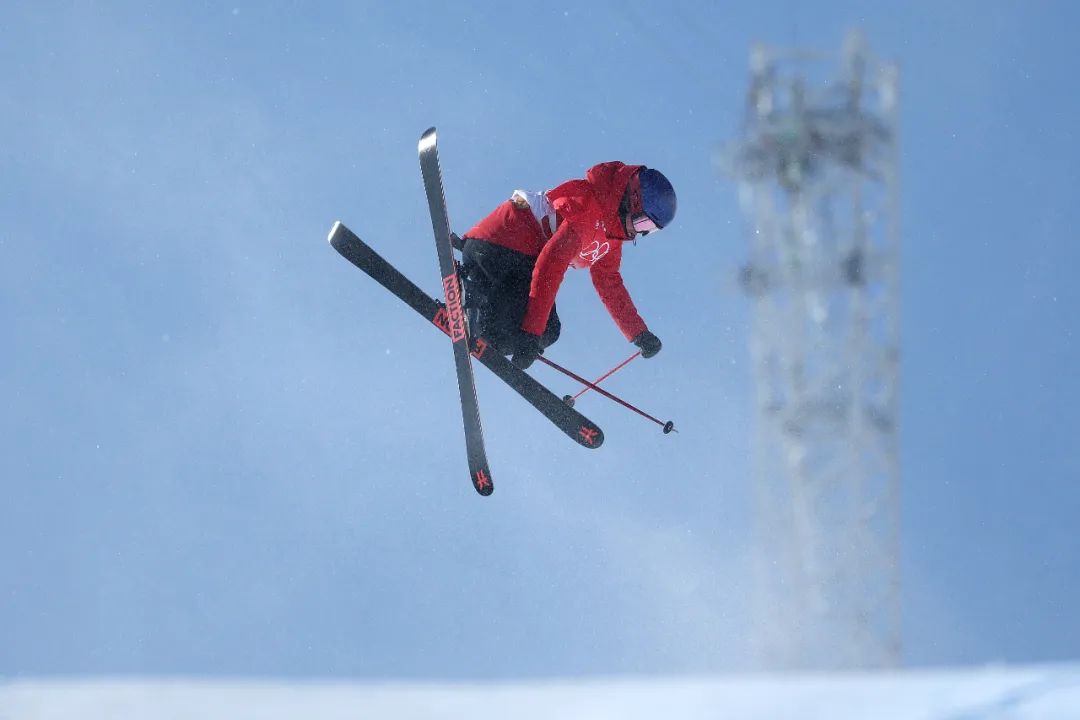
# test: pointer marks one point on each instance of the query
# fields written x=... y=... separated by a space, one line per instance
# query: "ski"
x=575 y=425
x=455 y=314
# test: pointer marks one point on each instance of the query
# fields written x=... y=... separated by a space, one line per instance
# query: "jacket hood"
x=599 y=195
x=609 y=181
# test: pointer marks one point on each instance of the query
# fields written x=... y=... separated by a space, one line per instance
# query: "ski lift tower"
x=817 y=175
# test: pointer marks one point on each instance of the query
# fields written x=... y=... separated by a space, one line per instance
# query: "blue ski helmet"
x=657 y=201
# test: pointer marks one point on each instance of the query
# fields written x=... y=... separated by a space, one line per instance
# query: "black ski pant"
x=496 y=283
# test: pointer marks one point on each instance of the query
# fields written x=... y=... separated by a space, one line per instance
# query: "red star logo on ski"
x=587 y=434
x=482 y=481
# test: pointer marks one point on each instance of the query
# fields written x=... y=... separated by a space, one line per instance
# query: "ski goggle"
x=644 y=224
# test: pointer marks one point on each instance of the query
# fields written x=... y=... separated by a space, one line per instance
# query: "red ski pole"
x=603 y=377
x=667 y=426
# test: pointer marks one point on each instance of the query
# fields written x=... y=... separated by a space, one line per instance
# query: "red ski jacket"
x=586 y=233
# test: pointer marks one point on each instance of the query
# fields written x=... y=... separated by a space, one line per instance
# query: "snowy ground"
x=1022 y=693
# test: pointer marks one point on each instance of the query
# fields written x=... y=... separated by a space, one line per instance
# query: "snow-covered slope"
x=1018 y=693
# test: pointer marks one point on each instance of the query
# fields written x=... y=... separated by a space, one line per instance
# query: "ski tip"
x=428 y=139
x=340 y=237
x=334 y=231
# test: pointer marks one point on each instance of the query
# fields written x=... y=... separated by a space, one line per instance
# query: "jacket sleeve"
x=609 y=285
x=551 y=266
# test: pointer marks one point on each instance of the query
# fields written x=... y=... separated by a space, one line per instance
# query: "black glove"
x=527 y=350
x=648 y=343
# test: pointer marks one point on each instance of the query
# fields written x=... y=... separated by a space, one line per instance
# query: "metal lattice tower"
x=818 y=182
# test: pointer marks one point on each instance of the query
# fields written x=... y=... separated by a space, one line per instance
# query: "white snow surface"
x=1046 y=692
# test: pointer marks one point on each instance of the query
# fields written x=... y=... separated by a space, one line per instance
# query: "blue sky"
x=225 y=451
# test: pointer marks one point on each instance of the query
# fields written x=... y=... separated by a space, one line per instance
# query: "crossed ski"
x=570 y=421
x=449 y=317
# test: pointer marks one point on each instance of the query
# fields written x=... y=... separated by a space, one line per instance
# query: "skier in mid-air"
x=514 y=260
x=513 y=263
